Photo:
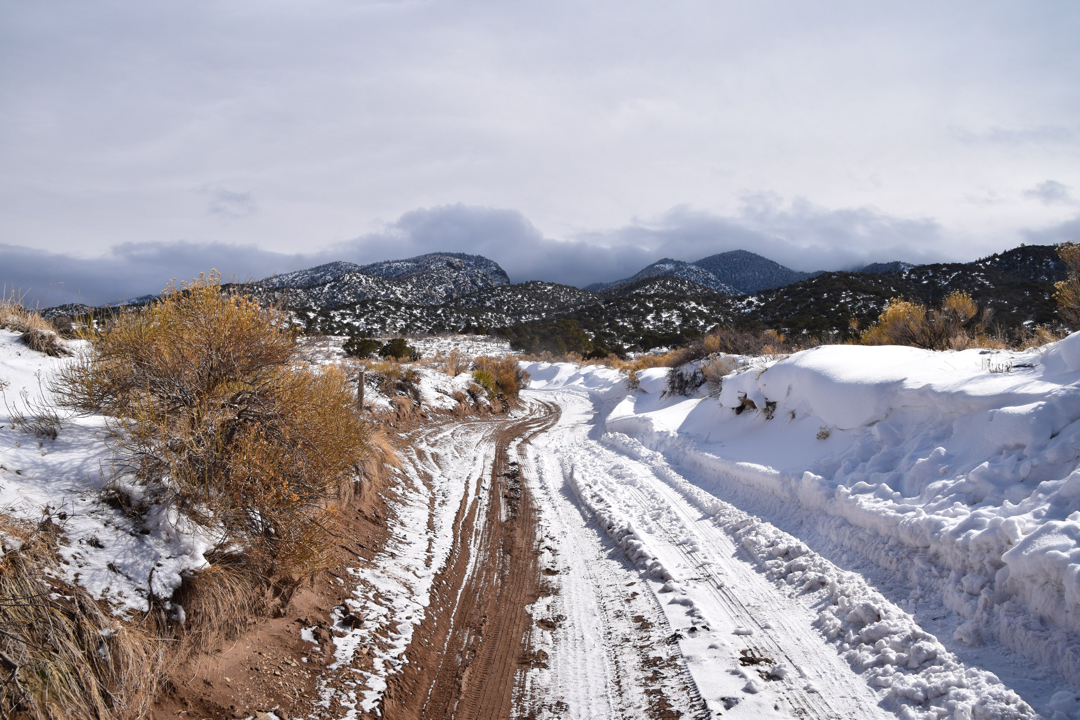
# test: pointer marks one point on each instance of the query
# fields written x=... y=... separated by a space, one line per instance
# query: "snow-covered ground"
x=922 y=507
x=115 y=557
x=849 y=532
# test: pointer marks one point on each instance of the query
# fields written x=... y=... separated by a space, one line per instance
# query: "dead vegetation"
x=957 y=324
x=37 y=333
x=1067 y=292
x=214 y=414
x=61 y=656
x=502 y=378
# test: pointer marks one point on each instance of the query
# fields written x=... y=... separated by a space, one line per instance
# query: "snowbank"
x=957 y=471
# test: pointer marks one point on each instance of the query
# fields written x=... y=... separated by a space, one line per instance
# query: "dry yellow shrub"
x=952 y=326
x=215 y=415
x=1067 y=292
x=500 y=376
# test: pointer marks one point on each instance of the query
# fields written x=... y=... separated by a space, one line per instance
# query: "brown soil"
x=464 y=658
x=269 y=666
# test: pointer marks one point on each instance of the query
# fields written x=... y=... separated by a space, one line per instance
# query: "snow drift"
x=954 y=471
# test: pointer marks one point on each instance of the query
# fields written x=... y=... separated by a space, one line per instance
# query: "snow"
x=114 y=557
x=950 y=486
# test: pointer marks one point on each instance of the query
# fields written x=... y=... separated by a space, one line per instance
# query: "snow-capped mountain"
x=424 y=280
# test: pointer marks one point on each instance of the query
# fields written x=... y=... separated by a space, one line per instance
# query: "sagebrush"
x=215 y=415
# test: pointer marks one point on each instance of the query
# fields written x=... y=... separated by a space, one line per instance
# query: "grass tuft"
x=61 y=657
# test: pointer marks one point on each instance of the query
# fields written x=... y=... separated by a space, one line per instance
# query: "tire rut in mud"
x=464 y=657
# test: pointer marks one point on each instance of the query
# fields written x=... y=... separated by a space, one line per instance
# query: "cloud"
x=1068 y=231
x=798 y=234
x=1033 y=135
x=227 y=203
x=128 y=270
x=1051 y=192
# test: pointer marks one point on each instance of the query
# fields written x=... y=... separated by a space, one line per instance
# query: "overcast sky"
x=568 y=141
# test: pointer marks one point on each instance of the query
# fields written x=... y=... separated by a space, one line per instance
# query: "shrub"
x=733 y=341
x=713 y=370
x=394 y=379
x=951 y=326
x=215 y=416
x=500 y=376
x=683 y=380
x=454 y=363
x=1067 y=292
x=399 y=349
x=360 y=346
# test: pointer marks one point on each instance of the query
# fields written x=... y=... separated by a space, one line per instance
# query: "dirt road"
x=465 y=654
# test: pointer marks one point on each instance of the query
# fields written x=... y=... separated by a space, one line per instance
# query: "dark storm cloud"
x=1068 y=231
x=129 y=270
x=800 y=235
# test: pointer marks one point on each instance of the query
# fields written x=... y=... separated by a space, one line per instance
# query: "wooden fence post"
x=360 y=390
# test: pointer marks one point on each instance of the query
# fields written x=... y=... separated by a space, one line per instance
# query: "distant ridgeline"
x=667 y=303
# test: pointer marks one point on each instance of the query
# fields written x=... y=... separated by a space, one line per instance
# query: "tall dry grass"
x=1067 y=292
x=61 y=657
x=37 y=333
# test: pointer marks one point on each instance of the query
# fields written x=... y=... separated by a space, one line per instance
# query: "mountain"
x=673 y=268
x=737 y=272
x=662 y=285
x=424 y=280
x=1038 y=263
x=886 y=267
x=750 y=272
x=662 y=305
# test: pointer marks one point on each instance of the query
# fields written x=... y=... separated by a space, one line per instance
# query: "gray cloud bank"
x=798 y=234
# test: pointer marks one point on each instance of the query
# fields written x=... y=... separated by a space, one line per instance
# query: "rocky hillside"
x=669 y=268
x=424 y=280
x=749 y=272
x=447 y=292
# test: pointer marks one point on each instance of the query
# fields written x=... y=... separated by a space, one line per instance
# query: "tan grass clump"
x=215 y=414
x=38 y=334
x=501 y=377
x=452 y=363
x=61 y=657
x=395 y=379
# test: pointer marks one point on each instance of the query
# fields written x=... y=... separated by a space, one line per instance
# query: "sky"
x=574 y=142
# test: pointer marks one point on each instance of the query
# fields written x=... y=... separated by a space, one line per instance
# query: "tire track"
x=464 y=656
